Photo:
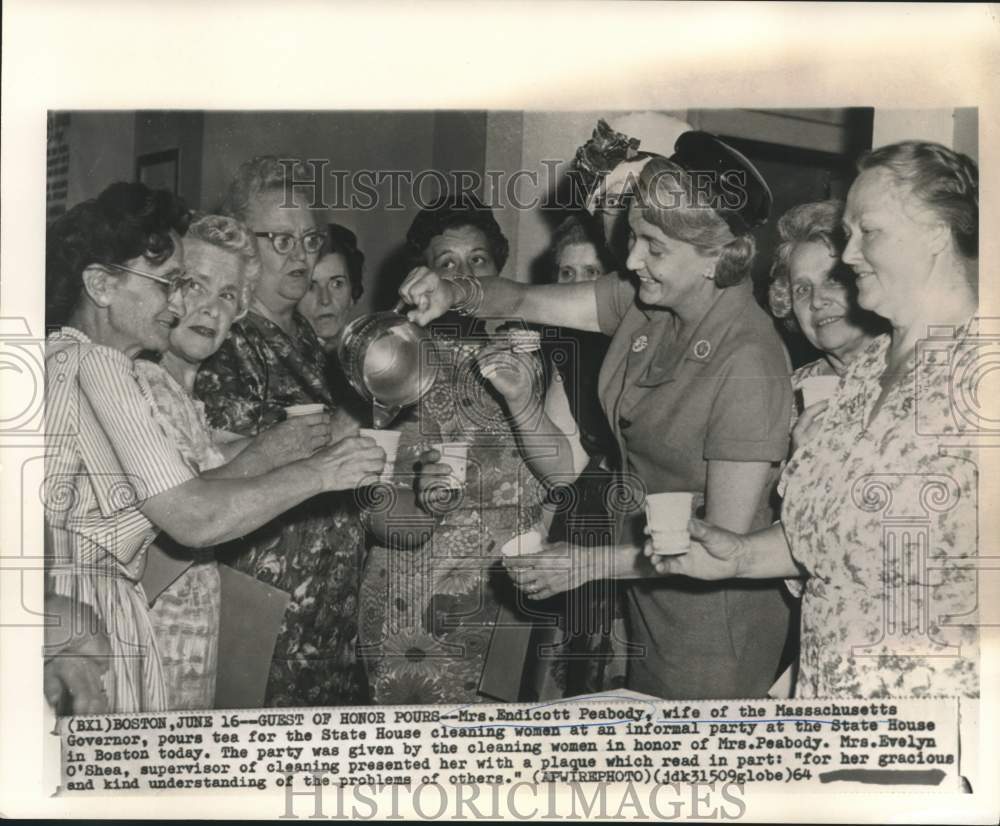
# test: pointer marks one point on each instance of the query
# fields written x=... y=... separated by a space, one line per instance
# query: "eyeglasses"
x=284 y=242
x=180 y=282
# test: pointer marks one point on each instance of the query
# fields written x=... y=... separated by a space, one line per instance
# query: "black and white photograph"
x=634 y=440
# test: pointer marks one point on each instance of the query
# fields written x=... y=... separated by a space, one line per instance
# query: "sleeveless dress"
x=428 y=616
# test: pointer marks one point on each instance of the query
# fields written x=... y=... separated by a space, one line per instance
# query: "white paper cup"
x=303 y=410
x=670 y=543
x=818 y=388
x=669 y=511
x=456 y=456
x=388 y=440
x=523 y=545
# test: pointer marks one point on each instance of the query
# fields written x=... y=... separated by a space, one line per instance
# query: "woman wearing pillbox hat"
x=695 y=386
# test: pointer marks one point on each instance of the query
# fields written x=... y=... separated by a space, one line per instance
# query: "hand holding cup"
x=299 y=436
x=667 y=516
x=388 y=440
x=349 y=463
x=433 y=483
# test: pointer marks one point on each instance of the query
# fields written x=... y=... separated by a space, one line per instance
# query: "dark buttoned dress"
x=721 y=393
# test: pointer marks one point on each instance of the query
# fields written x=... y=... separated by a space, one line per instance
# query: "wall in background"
x=966 y=132
x=349 y=141
x=544 y=151
x=102 y=151
x=528 y=139
x=955 y=128
x=159 y=132
x=104 y=147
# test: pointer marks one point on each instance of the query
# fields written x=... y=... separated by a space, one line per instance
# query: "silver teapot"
x=385 y=358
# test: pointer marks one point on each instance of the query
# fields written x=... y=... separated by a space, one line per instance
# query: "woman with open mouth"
x=272 y=360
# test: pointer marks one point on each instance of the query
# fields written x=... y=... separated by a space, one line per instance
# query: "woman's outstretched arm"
x=564 y=305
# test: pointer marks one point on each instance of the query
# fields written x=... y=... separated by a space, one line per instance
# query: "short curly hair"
x=665 y=195
x=126 y=221
x=342 y=241
x=947 y=183
x=264 y=173
x=819 y=222
x=235 y=237
x=449 y=212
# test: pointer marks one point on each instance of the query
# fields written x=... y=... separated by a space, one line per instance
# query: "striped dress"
x=106 y=455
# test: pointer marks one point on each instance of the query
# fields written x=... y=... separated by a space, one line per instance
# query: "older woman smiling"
x=222 y=269
x=814 y=292
x=884 y=615
x=696 y=388
x=114 y=480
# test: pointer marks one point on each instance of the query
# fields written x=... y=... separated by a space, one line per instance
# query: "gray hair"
x=818 y=222
x=265 y=173
x=233 y=236
x=947 y=182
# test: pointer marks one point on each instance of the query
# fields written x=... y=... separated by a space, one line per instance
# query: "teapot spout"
x=383 y=415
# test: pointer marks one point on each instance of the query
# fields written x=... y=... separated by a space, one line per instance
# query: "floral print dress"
x=311 y=551
x=880 y=510
x=185 y=616
x=428 y=616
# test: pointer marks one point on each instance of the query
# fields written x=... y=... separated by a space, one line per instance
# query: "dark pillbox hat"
x=739 y=192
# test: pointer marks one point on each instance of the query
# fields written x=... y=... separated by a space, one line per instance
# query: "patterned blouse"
x=820 y=367
x=312 y=551
x=428 y=616
x=186 y=614
x=881 y=511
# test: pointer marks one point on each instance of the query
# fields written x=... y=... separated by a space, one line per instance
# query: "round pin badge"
x=702 y=348
x=640 y=344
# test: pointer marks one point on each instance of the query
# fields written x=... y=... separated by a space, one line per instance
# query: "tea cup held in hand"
x=388 y=440
x=669 y=511
x=670 y=543
x=456 y=456
x=303 y=410
x=524 y=544
x=667 y=516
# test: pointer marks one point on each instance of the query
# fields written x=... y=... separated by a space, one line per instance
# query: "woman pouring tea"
x=695 y=387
